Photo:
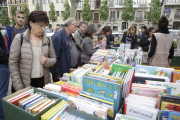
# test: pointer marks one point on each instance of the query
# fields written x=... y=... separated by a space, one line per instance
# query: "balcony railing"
x=17 y=2
x=174 y=2
x=138 y=19
x=112 y=19
x=142 y=3
x=95 y=4
x=177 y=18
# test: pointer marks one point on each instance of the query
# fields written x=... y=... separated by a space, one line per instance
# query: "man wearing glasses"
x=65 y=49
x=18 y=27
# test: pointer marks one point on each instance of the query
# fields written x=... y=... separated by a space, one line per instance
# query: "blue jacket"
x=60 y=42
x=9 y=35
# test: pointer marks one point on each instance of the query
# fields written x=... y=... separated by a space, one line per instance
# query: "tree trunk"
x=73 y=11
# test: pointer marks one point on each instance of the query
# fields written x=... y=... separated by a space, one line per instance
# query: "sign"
x=167 y=10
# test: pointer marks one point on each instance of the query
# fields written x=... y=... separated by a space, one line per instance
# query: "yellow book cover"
x=41 y=106
x=38 y=105
x=45 y=115
x=170 y=106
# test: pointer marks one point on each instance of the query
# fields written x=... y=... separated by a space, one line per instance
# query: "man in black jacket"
x=4 y=73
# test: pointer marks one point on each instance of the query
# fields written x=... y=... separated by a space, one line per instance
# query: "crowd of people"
x=28 y=56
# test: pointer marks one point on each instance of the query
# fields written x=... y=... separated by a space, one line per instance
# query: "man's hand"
x=43 y=60
x=149 y=39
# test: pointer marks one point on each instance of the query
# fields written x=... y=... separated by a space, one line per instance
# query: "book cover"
x=176 y=77
x=141 y=80
x=175 y=87
x=170 y=106
x=104 y=89
x=126 y=117
x=141 y=112
x=158 y=71
x=174 y=115
x=120 y=68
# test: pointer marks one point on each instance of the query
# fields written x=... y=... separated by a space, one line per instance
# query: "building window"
x=119 y=2
x=118 y=12
x=143 y=2
x=33 y=2
x=97 y=3
x=62 y=1
x=57 y=1
x=96 y=17
x=177 y=14
x=112 y=15
x=44 y=1
x=49 y=1
x=58 y=25
x=25 y=1
x=139 y=14
x=20 y=1
x=15 y=1
x=115 y=27
x=57 y=13
x=135 y=2
x=20 y=7
x=62 y=13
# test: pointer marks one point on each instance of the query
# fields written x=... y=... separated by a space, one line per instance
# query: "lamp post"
x=162 y=4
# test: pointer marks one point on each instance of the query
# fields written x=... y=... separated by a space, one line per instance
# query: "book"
x=141 y=79
x=176 y=77
x=126 y=117
x=151 y=70
x=88 y=107
x=170 y=106
x=104 y=89
x=175 y=87
x=174 y=115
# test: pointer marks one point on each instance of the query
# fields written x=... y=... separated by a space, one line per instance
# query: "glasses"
x=41 y=26
x=74 y=25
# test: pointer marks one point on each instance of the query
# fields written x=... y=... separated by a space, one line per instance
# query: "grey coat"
x=78 y=40
x=87 y=49
x=20 y=60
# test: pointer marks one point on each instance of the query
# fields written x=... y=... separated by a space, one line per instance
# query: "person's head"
x=57 y=28
x=151 y=30
x=163 y=22
x=144 y=30
x=20 y=17
x=71 y=25
x=132 y=31
x=37 y=22
x=82 y=26
x=91 y=31
x=106 y=31
x=102 y=39
x=116 y=39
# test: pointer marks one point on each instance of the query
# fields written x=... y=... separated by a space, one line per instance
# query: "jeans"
x=4 y=82
x=79 y=62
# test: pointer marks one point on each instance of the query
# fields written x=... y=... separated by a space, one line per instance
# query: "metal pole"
x=162 y=9
x=41 y=5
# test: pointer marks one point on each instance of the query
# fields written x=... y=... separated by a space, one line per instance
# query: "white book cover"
x=126 y=117
x=175 y=87
x=141 y=112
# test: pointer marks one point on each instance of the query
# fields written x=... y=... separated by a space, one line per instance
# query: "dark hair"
x=150 y=29
x=92 y=28
x=37 y=16
x=146 y=30
x=101 y=37
x=144 y=27
x=105 y=30
x=163 y=22
x=81 y=23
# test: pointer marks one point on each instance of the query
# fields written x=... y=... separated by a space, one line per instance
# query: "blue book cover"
x=174 y=115
x=151 y=70
x=104 y=89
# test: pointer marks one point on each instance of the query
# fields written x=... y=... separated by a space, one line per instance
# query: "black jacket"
x=144 y=43
x=133 y=42
x=4 y=54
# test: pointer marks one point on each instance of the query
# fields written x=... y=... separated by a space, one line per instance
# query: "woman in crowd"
x=32 y=54
x=162 y=48
x=87 y=45
x=107 y=32
x=145 y=40
x=130 y=37
x=144 y=30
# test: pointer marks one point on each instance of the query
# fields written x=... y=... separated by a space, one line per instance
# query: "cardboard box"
x=12 y=112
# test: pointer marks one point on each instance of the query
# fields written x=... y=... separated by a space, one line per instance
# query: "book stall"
x=114 y=85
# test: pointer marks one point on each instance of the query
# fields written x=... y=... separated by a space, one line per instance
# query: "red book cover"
x=16 y=100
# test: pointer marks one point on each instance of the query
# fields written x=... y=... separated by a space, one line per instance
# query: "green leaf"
x=4 y=17
x=52 y=15
x=86 y=11
x=66 y=12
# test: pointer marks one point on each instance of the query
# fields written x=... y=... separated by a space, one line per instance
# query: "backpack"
x=22 y=40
